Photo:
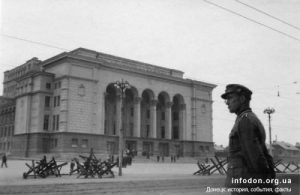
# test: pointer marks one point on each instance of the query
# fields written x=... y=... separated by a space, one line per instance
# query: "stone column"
x=182 y=120
x=137 y=117
x=153 y=125
x=169 y=120
x=104 y=116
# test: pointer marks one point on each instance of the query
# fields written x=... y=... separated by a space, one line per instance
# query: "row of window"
x=204 y=148
x=53 y=143
x=7 y=110
x=83 y=143
x=57 y=85
x=56 y=101
x=5 y=146
x=9 y=89
x=55 y=122
x=6 y=131
x=7 y=118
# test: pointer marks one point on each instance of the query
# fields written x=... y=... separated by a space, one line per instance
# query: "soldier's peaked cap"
x=238 y=89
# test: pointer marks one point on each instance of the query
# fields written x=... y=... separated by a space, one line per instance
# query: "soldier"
x=248 y=156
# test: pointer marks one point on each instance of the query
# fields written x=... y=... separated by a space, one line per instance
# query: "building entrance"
x=164 y=149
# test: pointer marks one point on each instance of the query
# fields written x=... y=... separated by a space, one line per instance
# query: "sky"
x=255 y=43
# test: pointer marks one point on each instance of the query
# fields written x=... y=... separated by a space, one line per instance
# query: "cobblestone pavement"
x=168 y=186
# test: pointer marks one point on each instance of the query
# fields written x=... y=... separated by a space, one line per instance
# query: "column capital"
x=118 y=97
x=169 y=104
x=153 y=102
x=137 y=100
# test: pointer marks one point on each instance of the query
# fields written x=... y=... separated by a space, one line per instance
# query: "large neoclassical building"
x=69 y=104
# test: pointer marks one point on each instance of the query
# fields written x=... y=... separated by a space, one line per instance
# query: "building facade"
x=69 y=103
x=7 y=122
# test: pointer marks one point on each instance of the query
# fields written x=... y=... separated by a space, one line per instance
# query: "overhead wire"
x=252 y=20
x=64 y=49
x=55 y=47
x=267 y=14
x=34 y=42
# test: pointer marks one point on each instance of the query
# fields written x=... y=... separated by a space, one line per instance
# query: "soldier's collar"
x=247 y=110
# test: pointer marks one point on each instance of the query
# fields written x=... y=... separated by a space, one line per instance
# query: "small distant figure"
x=72 y=165
x=157 y=158
x=44 y=160
x=4 y=161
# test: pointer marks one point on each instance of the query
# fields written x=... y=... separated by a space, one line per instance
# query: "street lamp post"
x=270 y=111
x=122 y=86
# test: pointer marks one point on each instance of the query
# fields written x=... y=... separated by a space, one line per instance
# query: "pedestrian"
x=248 y=156
x=72 y=165
x=43 y=162
x=157 y=158
x=4 y=160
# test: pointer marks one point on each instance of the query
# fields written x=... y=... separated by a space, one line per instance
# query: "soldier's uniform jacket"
x=248 y=156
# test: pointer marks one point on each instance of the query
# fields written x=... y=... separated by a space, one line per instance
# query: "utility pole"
x=270 y=111
x=122 y=86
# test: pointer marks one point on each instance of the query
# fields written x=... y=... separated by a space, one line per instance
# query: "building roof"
x=285 y=145
x=122 y=63
x=219 y=148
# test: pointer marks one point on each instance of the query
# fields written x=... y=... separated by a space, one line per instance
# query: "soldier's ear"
x=243 y=99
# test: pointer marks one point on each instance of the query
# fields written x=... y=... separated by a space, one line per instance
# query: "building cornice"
x=75 y=77
x=107 y=61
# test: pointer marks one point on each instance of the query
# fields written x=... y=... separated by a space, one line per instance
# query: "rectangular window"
x=148 y=114
x=46 y=122
x=74 y=142
x=47 y=101
x=58 y=101
x=84 y=143
x=147 y=130
x=54 y=101
x=175 y=132
x=48 y=85
x=114 y=133
x=57 y=122
x=163 y=132
x=131 y=129
x=53 y=122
